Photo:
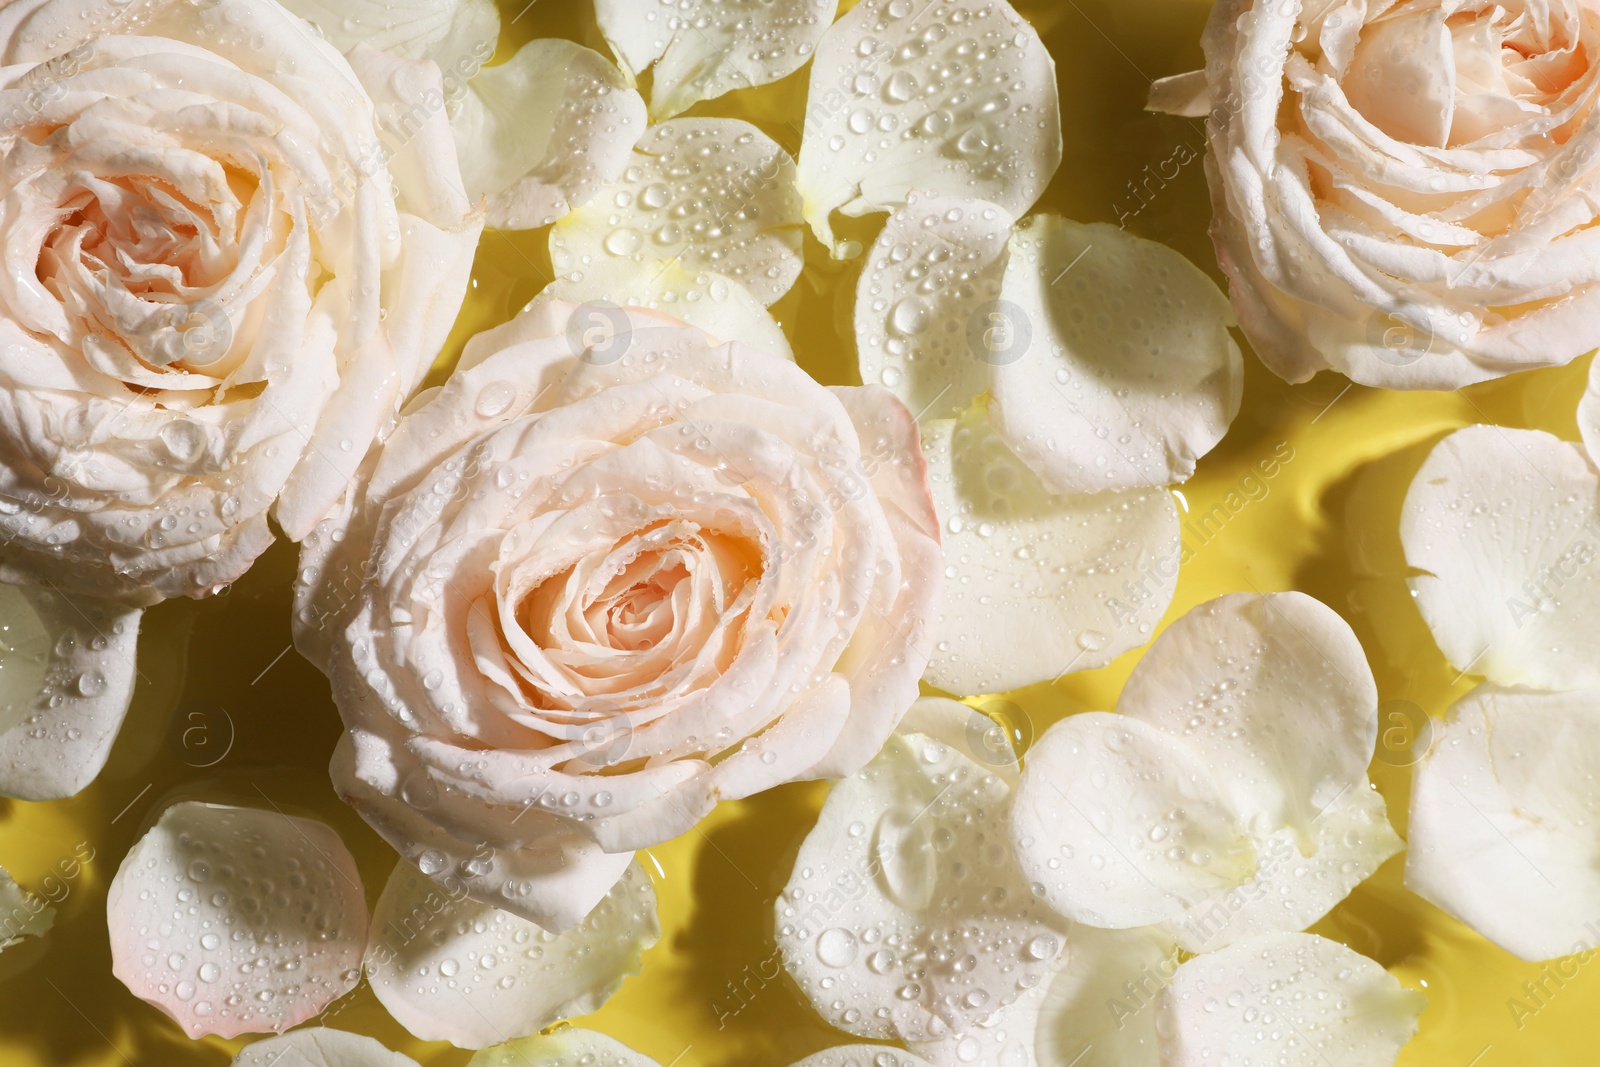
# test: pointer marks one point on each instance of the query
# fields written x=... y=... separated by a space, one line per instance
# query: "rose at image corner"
x=577 y=601
x=1400 y=194
x=215 y=300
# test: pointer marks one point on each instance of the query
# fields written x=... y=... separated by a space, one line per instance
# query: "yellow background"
x=217 y=676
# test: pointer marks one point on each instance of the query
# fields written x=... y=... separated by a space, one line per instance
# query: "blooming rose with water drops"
x=592 y=585
x=1402 y=192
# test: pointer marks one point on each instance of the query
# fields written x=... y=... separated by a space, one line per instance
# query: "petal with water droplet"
x=1274 y=693
x=906 y=916
x=986 y=741
x=1037 y=585
x=1099 y=1011
x=701 y=49
x=1112 y=366
x=318 y=1046
x=1504 y=526
x=1502 y=815
x=1288 y=1000
x=925 y=300
x=963 y=105
x=565 y=1048
x=861 y=1056
x=541 y=133
x=709 y=194
x=237 y=920
x=1118 y=824
x=459 y=35
x=67 y=671
x=451 y=969
x=717 y=304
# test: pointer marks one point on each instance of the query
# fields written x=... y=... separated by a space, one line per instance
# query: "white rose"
x=230 y=254
x=607 y=575
x=1404 y=193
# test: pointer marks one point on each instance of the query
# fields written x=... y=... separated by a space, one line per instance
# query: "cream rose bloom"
x=230 y=253
x=1405 y=192
x=609 y=574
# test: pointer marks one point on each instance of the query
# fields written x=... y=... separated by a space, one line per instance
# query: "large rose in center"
x=608 y=575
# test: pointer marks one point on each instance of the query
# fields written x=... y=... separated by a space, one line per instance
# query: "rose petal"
x=923 y=303
x=25 y=915
x=861 y=1056
x=1187 y=95
x=1118 y=824
x=711 y=194
x=1502 y=524
x=702 y=49
x=1130 y=375
x=982 y=739
x=541 y=133
x=451 y=969
x=564 y=1048
x=1038 y=585
x=1285 y=1000
x=318 y=1046
x=67 y=671
x=907 y=855
x=1273 y=693
x=458 y=35
x=1099 y=1010
x=237 y=920
x=720 y=306
x=890 y=110
x=1500 y=813
x=1589 y=414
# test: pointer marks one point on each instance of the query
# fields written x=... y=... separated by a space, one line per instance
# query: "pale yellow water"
x=218 y=672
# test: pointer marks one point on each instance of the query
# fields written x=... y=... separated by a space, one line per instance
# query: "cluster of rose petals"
x=586 y=591
x=1228 y=796
x=1501 y=529
x=909 y=917
x=1400 y=190
x=1065 y=375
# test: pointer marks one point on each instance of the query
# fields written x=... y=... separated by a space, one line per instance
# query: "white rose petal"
x=1099 y=1011
x=1230 y=796
x=25 y=915
x=1128 y=375
x=458 y=35
x=700 y=49
x=862 y=1056
x=592 y=586
x=710 y=194
x=717 y=304
x=1500 y=813
x=1122 y=825
x=1037 y=585
x=1285 y=1000
x=1502 y=526
x=318 y=1046
x=957 y=107
x=451 y=969
x=564 y=1048
x=925 y=302
x=67 y=672
x=237 y=920
x=906 y=916
x=541 y=133
x=1589 y=414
